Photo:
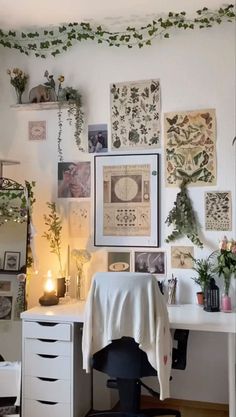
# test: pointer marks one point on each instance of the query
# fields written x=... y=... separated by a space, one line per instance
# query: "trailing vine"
x=56 y=40
x=183 y=218
x=73 y=98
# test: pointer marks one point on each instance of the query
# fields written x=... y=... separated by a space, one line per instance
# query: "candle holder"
x=49 y=299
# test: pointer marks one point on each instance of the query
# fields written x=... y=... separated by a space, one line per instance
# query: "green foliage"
x=57 y=40
x=16 y=203
x=183 y=219
x=73 y=97
x=203 y=269
x=53 y=234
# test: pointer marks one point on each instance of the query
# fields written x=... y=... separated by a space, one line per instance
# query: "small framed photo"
x=152 y=262
x=11 y=261
x=5 y=286
x=118 y=261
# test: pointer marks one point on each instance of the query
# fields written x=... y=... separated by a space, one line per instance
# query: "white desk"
x=187 y=316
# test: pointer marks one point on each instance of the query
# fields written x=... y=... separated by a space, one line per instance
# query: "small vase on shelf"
x=18 y=96
x=226 y=305
x=80 y=287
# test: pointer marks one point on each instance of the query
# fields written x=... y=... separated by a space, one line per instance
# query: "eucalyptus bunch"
x=182 y=218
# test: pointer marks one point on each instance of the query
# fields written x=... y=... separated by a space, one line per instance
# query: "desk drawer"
x=33 y=408
x=47 y=390
x=47 y=330
x=50 y=347
x=48 y=366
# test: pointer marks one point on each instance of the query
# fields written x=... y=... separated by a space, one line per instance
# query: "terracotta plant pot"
x=200 y=298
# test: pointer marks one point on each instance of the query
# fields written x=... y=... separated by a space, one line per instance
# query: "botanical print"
x=153 y=262
x=118 y=261
x=79 y=219
x=190 y=147
x=97 y=138
x=5 y=307
x=37 y=130
x=126 y=200
x=74 y=179
x=218 y=210
x=135 y=115
x=180 y=257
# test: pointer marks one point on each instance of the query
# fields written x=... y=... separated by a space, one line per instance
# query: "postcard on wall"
x=180 y=257
x=74 y=179
x=5 y=307
x=79 y=219
x=97 y=138
x=37 y=130
x=127 y=200
x=152 y=262
x=118 y=261
x=190 y=147
x=135 y=115
x=218 y=210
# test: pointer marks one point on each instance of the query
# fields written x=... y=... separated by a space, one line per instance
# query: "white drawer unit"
x=53 y=382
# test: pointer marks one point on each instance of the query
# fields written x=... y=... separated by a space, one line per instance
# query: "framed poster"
x=126 y=200
x=11 y=261
x=152 y=262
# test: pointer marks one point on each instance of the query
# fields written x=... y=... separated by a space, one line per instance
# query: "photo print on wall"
x=218 y=210
x=97 y=138
x=180 y=258
x=152 y=262
x=74 y=179
x=79 y=219
x=37 y=130
x=5 y=307
x=190 y=150
x=135 y=115
x=118 y=261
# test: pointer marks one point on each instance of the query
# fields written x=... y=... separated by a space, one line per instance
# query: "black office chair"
x=123 y=360
x=125 y=363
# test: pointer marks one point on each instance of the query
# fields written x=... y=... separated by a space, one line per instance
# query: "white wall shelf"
x=48 y=105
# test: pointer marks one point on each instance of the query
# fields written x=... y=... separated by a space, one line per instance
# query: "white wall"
x=196 y=70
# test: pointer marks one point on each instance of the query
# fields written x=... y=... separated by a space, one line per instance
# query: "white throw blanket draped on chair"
x=10 y=380
x=128 y=304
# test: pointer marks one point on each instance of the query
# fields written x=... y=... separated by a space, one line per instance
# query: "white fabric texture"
x=131 y=305
x=10 y=380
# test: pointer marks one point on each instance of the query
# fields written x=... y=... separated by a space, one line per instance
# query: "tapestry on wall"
x=218 y=210
x=190 y=147
x=135 y=115
x=79 y=219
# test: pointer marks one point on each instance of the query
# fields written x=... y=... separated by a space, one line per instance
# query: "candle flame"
x=49 y=286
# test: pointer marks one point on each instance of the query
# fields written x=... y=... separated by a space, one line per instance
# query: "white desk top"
x=185 y=316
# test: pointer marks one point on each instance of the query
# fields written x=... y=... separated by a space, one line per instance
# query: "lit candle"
x=68 y=261
x=49 y=287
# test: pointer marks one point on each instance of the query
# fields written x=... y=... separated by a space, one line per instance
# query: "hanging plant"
x=182 y=218
x=73 y=98
x=59 y=39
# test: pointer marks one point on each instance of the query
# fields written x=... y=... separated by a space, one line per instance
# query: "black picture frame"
x=11 y=261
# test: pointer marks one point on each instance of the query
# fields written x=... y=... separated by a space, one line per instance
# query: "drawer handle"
x=47 y=402
x=47 y=324
x=47 y=356
x=47 y=379
x=48 y=340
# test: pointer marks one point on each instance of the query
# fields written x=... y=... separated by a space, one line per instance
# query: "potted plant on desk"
x=203 y=269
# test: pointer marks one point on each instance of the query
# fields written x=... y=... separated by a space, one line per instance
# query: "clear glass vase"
x=80 y=286
x=18 y=96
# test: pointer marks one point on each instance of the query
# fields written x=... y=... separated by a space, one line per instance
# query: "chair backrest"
x=128 y=305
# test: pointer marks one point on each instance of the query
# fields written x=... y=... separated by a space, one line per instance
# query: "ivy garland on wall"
x=57 y=40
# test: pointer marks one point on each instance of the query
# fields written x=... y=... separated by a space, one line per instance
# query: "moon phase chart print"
x=190 y=149
x=218 y=210
x=135 y=115
x=127 y=200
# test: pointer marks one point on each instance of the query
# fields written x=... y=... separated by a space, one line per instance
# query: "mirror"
x=14 y=227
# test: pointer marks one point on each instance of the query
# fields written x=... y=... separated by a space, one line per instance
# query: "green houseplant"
x=204 y=274
x=53 y=234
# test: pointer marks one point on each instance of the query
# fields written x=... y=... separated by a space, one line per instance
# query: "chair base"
x=149 y=412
